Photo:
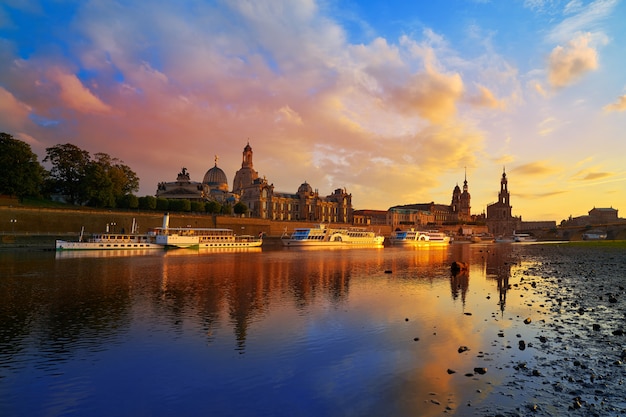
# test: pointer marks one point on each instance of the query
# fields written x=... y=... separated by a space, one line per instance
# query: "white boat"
x=523 y=237
x=327 y=236
x=412 y=237
x=594 y=235
x=202 y=238
x=111 y=241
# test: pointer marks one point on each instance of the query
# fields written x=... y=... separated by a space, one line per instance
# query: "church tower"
x=500 y=221
x=246 y=175
x=465 y=209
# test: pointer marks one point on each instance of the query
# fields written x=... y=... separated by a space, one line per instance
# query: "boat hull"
x=64 y=245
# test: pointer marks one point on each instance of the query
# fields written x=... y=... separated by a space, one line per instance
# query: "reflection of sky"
x=314 y=333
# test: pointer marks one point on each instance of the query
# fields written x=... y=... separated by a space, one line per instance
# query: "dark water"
x=272 y=332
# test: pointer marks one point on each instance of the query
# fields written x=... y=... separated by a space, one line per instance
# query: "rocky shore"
x=578 y=352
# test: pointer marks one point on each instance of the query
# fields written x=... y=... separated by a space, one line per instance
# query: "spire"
x=216 y=159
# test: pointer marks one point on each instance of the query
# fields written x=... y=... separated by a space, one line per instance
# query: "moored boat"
x=326 y=236
x=111 y=241
x=523 y=237
x=412 y=237
x=202 y=238
x=594 y=235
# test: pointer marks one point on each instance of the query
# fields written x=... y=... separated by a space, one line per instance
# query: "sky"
x=396 y=101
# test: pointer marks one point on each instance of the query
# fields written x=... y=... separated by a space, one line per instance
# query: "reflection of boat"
x=202 y=238
x=414 y=237
x=196 y=251
x=111 y=241
x=106 y=253
x=326 y=236
x=594 y=235
x=482 y=238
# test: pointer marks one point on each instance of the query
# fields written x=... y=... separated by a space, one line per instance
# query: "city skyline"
x=391 y=102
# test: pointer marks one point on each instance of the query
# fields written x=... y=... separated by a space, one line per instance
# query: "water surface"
x=266 y=332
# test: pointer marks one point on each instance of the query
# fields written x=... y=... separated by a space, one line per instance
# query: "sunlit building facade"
x=305 y=205
x=500 y=220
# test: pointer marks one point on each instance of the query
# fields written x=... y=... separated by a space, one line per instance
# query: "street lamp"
x=13 y=221
x=113 y=224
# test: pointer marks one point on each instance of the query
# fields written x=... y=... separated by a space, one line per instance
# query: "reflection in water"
x=360 y=331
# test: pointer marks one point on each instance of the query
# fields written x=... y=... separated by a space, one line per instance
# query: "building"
x=500 y=221
x=214 y=187
x=596 y=216
x=262 y=200
x=182 y=188
x=425 y=214
x=305 y=205
x=370 y=217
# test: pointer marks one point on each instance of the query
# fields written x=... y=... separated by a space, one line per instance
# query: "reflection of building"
x=434 y=214
x=500 y=221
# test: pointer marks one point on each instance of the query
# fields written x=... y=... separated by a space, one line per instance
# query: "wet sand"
x=578 y=347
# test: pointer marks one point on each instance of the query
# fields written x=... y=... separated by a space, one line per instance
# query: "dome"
x=305 y=188
x=216 y=179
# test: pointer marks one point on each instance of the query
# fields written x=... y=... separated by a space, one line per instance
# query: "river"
x=266 y=332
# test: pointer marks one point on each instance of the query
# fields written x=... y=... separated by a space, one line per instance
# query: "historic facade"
x=500 y=221
x=306 y=204
x=424 y=214
x=182 y=188
x=259 y=195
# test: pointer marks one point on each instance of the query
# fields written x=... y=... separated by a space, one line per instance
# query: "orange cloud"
x=596 y=176
x=13 y=113
x=430 y=94
x=539 y=168
x=485 y=98
x=568 y=64
x=620 y=105
x=75 y=95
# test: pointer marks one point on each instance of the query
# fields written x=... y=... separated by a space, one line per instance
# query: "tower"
x=464 y=199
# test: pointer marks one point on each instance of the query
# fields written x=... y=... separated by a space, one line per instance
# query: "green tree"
x=21 y=175
x=197 y=206
x=213 y=207
x=179 y=204
x=128 y=201
x=108 y=180
x=67 y=176
x=147 y=202
x=240 y=208
x=162 y=204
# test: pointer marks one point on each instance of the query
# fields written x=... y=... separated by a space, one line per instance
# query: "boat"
x=111 y=241
x=594 y=235
x=202 y=238
x=412 y=237
x=523 y=237
x=321 y=235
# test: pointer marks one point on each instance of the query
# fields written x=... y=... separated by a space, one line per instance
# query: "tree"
x=213 y=207
x=128 y=201
x=21 y=175
x=240 y=208
x=147 y=202
x=69 y=166
x=162 y=204
x=197 y=206
x=108 y=180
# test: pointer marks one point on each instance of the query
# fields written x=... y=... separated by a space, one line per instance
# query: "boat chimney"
x=166 y=220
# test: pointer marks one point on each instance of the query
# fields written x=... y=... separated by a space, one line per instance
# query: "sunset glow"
x=394 y=101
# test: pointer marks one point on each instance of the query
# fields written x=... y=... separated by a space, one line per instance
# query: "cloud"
x=596 y=176
x=75 y=95
x=13 y=113
x=620 y=105
x=568 y=64
x=485 y=98
x=538 y=168
x=582 y=19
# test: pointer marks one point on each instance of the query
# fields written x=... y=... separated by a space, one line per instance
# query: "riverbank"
x=577 y=291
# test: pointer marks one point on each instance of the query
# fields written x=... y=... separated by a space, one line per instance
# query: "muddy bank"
x=578 y=343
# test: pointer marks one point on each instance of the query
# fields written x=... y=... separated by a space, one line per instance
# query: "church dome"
x=305 y=188
x=216 y=179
